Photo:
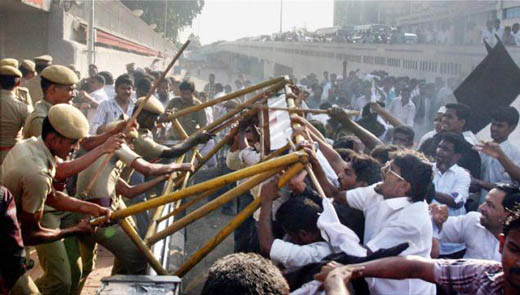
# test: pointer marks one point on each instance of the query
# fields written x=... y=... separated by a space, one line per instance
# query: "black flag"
x=494 y=83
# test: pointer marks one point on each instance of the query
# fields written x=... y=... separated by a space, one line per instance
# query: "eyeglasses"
x=388 y=169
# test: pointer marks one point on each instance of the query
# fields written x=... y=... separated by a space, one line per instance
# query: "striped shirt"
x=470 y=276
x=109 y=111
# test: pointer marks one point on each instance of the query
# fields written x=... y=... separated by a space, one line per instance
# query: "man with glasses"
x=478 y=230
x=395 y=212
x=451 y=185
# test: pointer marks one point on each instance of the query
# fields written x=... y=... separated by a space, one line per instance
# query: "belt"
x=5 y=148
x=103 y=202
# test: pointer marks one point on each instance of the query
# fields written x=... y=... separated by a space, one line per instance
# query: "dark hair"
x=24 y=71
x=512 y=195
x=367 y=169
x=417 y=171
x=244 y=273
x=405 y=130
x=218 y=87
x=99 y=78
x=346 y=142
x=298 y=214
x=506 y=114
x=8 y=82
x=461 y=110
x=45 y=84
x=511 y=223
x=143 y=85
x=460 y=145
x=325 y=106
x=124 y=79
x=382 y=152
x=48 y=129
x=318 y=125
x=187 y=85
x=40 y=67
x=109 y=79
x=346 y=154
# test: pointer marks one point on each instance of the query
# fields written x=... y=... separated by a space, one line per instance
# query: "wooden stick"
x=311 y=111
x=134 y=116
x=213 y=205
x=233 y=224
x=204 y=186
x=227 y=97
x=134 y=236
x=188 y=204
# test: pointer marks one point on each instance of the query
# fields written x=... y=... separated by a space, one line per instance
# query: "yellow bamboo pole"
x=187 y=204
x=299 y=138
x=227 y=97
x=134 y=116
x=233 y=224
x=211 y=206
x=184 y=135
x=159 y=210
x=134 y=236
x=207 y=185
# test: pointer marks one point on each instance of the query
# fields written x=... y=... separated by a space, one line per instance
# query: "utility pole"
x=91 y=32
x=281 y=14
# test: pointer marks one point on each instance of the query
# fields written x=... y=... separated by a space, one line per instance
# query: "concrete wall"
x=420 y=61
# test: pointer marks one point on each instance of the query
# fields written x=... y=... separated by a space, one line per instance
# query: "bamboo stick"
x=134 y=116
x=233 y=224
x=204 y=186
x=211 y=206
x=227 y=97
x=311 y=111
x=187 y=204
x=134 y=236
x=184 y=135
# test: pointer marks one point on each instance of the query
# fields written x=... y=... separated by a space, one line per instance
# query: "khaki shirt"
x=35 y=88
x=105 y=184
x=13 y=114
x=146 y=147
x=25 y=97
x=28 y=171
x=33 y=125
x=190 y=121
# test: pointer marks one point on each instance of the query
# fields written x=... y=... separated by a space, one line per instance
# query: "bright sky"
x=233 y=19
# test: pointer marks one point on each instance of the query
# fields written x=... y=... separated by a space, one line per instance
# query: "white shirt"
x=109 y=111
x=389 y=222
x=110 y=91
x=480 y=243
x=325 y=93
x=405 y=113
x=99 y=96
x=455 y=182
x=493 y=171
x=516 y=37
x=489 y=37
x=293 y=255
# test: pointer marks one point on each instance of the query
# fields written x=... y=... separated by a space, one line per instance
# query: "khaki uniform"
x=28 y=171
x=129 y=260
x=33 y=125
x=190 y=121
x=13 y=114
x=35 y=89
x=146 y=147
x=25 y=97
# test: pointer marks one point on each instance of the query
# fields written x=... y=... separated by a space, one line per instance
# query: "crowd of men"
x=402 y=215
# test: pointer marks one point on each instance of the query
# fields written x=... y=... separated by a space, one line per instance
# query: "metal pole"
x=91 y=31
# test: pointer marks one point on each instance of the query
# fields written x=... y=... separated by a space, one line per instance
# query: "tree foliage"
x=180 y=13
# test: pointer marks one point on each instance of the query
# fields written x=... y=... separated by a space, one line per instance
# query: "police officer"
x=41 y=62
x=28 y=171
x=13 y=112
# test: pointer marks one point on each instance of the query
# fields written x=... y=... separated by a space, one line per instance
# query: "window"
x=513 y=12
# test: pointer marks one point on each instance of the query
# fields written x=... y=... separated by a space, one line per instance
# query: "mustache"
x=514 y=271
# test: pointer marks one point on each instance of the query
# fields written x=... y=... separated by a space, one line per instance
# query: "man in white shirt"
x=403 y=108
x=515 y=30
x=451 y=185
x=395 y=212
x=111 y=110
x=499 y=166
x=488 y=34
x=436 y=126
x=479 y=231
x=109 y=84
x=96 y=96
x=298 y=217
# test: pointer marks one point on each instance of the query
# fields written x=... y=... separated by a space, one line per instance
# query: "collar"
x=8 y=93
x=450 y=169
x=43 y=147
x=397 y=203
